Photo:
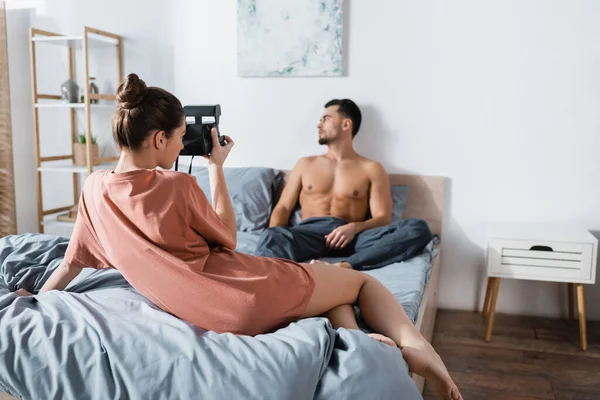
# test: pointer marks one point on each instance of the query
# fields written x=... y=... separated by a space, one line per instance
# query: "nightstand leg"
x=492 y=311
x=488 y=294
x=581 y=307
x=571 y=302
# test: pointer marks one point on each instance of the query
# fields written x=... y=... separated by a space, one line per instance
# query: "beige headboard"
x=426 y=197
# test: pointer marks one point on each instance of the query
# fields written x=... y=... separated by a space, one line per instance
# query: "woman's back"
x=158 y=229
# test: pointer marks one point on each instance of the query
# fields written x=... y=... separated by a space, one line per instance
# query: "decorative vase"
x=79 y=155
x=93 y=90
x=69 y=91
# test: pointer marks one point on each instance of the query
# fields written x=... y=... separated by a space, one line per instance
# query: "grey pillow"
x=296 y=216
x=399 y=197
x=251 y=192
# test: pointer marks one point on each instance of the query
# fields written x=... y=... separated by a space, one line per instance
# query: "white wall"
x=146 y=51
x=502 y=97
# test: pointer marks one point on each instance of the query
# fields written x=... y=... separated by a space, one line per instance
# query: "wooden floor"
x=527 y=358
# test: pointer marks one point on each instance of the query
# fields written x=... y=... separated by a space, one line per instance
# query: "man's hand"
x=341 y=236
x=23 y=292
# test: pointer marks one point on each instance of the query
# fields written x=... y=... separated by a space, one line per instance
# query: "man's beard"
x=323 y=141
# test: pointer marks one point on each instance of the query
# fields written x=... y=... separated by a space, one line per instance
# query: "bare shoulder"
x=374 y=168
x=306 y=161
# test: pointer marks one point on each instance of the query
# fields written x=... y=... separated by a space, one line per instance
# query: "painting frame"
x=287 y=38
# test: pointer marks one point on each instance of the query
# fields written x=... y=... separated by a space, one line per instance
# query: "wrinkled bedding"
x=101 y=339
x=406 y=279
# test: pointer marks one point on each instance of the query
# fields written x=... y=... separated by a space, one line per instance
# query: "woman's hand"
x=23 y=292
x=219 y=153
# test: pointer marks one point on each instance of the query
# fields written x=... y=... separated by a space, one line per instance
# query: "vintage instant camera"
x=199 y=121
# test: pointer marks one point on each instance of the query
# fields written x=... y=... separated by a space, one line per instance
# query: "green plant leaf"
x=82 y=139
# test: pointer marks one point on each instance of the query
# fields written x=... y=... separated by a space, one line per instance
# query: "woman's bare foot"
x=382 y=339
x=427 y=363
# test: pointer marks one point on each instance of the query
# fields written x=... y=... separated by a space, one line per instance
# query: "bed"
x=102 y=339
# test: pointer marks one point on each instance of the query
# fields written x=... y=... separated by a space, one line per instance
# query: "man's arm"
x=289 y=196
x=380 y=200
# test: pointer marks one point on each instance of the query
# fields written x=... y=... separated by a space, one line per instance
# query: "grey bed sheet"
x=406 y=280
x=101 y=339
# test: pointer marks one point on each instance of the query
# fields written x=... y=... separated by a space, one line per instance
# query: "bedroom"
x=498 y=98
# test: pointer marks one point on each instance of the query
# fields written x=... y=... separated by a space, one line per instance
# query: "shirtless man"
x=346 y=204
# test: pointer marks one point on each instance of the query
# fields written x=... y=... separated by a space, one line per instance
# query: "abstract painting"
x=289 y=38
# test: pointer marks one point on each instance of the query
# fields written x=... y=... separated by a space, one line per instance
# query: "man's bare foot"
x=382 y=339
x=340 y=264
x=343 y=265
x=427 y=363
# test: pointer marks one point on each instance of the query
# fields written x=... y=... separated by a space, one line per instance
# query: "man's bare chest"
x=338 y=182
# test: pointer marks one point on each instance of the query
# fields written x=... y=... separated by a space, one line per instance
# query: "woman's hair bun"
x=143 y=111
x=131 y=92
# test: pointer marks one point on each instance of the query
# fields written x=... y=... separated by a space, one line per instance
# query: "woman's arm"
x=61 y=277
x=218 y=187
x=220 y=198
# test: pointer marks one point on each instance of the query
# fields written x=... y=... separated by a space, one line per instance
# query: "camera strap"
x=191 y=161
x=177 y=165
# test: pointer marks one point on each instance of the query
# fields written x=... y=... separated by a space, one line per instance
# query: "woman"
x=157 y=228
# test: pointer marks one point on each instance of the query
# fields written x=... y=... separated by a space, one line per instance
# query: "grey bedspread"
x=406 y=280
x=101 y=339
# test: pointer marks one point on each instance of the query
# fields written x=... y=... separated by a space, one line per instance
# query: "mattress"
x=406 y=280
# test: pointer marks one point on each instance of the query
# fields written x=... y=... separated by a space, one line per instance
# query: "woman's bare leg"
x=343 y=317
x=383 y=313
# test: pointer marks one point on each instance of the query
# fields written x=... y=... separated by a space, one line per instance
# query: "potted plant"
x=79 y=152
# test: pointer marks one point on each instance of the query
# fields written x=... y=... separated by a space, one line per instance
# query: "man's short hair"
x=348 y=109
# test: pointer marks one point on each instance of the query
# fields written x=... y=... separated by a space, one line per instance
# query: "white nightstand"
x=542 y=253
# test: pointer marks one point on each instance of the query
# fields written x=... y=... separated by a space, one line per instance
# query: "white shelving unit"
x=59 y=166
x=77 y=42
x=92 y=38
x=59 y=228
x=73 y=105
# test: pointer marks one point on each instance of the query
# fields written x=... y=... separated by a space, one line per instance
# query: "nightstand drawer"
x=529 y=259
